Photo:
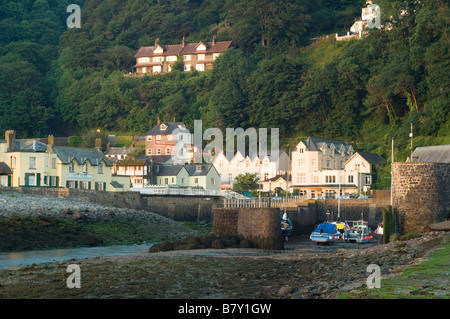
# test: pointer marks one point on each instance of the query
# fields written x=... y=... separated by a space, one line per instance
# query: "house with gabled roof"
x=266 y=167
x=160 y=58
x=35 y=164
x=331 y=167
x=172 y=139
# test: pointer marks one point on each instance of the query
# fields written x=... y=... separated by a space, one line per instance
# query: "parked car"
x=276 y=198
x=364 y=197
x=323 y=197
x=247 y=194
x=351 y=196
x=325 y=233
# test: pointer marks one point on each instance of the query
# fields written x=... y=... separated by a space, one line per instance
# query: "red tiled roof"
x=177 y=49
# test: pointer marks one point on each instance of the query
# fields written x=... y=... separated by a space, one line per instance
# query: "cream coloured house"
x=35 y=164
x=330 y=167
x=266 y=167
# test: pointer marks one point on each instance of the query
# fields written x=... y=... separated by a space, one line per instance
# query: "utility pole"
x=411 y=136
x=392 y=162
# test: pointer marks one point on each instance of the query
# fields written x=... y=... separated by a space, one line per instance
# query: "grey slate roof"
x=372 y=158
x=198 y=169
x=168 y=170
x=171 y=126
x=29 y=146
x=436 y=154
x=67 y=154
x=4 y=169
x=315 y=143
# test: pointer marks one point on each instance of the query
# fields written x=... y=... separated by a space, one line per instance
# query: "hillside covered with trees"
x=282 y=71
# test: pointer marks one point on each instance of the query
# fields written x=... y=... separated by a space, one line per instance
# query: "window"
x=357 y=167
x=166 y=180
x=301 y=150
x=71 y=167
x=173 y=180
x=158 y=151
x=266 y=176
x=171 y=58
x=230 y=178
x=169 y=137
x=167 y=151
x=157 y=69
x=158 y=137
x=315 y=179
x=149 y=151
x=98 y=186
x=213 y=181
x=144 y=60
x=53 y=162
x=220 y=163
x=247 y=164
x=186 y=57
x=32 y=179
x=313 y=194
x=100 y=168
x=350 y=179
x=149 y=138
x=53 y=182
x=368 y=179
x=200 y=67
x=200 y=57
x=313 y=163
x=84 y=185
x=215 y=55
x=328 y=164
x=158 y=59
x=330 y=179
x=188 y=67
x=324 y=151
x=196 y=180
x=85 y=168
x=303 y=178
x=32 y=163
x=301 y=162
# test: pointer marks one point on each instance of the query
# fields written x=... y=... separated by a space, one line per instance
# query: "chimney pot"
x=10 y=137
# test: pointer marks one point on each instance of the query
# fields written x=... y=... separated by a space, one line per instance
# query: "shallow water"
x=15 y=260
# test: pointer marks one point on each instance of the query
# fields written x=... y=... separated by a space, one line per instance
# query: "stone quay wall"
x=261 y=226
x=421 y=191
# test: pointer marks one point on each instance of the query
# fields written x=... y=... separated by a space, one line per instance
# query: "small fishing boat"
x=358 y=232
x=325 y=233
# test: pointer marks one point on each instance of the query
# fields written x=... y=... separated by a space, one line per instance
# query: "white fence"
x=264 y=202
x=176 y=191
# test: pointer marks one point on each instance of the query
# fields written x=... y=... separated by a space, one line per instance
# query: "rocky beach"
x=293 y=273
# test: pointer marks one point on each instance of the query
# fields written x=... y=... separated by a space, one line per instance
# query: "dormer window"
x=201 y=47
x=198 y=168
x=163 y=127
x=158 y=50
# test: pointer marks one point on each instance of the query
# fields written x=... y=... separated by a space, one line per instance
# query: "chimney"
x=156 y=42
x=183 y=43
x=10 y=137
x=214 y=40
x=50 y=143
x=98 y=144
x=158 y=122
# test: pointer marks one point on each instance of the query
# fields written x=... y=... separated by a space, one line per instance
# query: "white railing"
x=175 y=191
x=264 y=202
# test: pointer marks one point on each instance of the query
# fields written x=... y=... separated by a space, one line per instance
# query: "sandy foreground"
x=296 y=273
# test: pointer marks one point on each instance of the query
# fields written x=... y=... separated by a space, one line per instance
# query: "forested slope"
x=68 y=81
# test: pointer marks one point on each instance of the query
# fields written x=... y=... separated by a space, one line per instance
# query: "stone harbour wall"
x=261 y=226
x=421 y=191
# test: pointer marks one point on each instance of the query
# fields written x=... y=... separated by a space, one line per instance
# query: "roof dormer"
x=163 y=127
x=201 y=47
x=158 y=49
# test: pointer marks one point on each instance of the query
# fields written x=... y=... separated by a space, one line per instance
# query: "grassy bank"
x=428 y=279
x=28 y=233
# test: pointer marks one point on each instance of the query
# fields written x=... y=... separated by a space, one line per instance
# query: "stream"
x=15 y=260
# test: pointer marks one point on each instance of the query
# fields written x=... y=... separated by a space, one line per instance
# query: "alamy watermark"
x=374 y=280
x=191 y=149
x=74 y=20
x=74 y=280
